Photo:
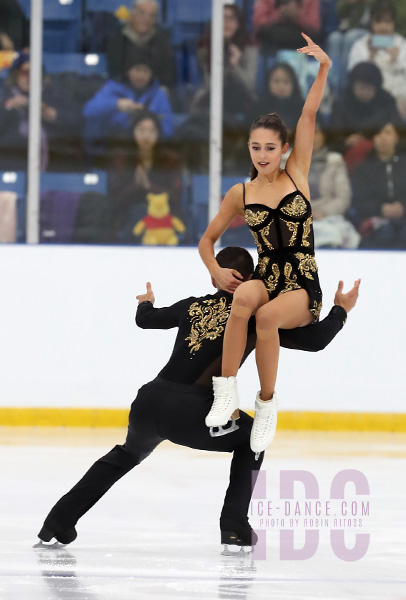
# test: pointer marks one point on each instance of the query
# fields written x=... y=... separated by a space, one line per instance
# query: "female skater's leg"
x=284 y=312
x=247 y=298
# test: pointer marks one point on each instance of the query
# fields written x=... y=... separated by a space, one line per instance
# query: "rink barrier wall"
x=69 y=341
x=293 y=420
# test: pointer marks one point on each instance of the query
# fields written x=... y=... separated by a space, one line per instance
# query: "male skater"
x=174 y=405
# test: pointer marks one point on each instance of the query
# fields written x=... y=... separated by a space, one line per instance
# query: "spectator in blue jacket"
x=108 y=115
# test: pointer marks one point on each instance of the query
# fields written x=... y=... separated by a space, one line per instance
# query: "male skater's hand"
x=148 y=297
x=348 y=300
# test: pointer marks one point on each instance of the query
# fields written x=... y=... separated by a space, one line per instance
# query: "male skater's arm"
x=313 y=338
x=148 y=317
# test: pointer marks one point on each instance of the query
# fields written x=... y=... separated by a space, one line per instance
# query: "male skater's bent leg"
x=141 y=440
x=181 y=422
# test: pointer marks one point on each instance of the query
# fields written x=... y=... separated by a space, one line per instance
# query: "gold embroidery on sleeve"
x=207 y=321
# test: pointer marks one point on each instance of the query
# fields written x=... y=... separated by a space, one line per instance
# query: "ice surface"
x=155 y=534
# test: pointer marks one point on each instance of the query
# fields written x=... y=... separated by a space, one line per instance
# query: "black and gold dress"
x=285 y=243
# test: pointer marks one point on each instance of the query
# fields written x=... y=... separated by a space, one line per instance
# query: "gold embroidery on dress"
x=306 y=231
x=307 y=263
x=316 y=309
x=255 y=218
x=272 y=281
x=293 y=227
x=297 y=208
x=207 y=322
x=262 y=265
x=265 y=232
x=257 y=242
x=290 y=280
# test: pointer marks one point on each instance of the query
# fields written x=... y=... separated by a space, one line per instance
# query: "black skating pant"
x=161 y=411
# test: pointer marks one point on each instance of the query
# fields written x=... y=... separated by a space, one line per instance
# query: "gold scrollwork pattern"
x=272 y=281
x=290 y=279
x=265 y=233
x=207 y=321
x=297 y=208
x=255 y=218
x=293 y=227
x=307 y=263
x=316 y=309
x=262 y=265
x=306 y=231
x=257 y=242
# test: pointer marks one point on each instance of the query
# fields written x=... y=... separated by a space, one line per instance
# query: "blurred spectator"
x=145 y=165
x=109 y=113
x=267 y=12
x=362 y=107
x=240 y=57
x=330 y=191
x=141 y=34
x=282 y=95
x=379 y=199
x=386 y=49
x=285 y=33
x=59 y=128
x=14 y=27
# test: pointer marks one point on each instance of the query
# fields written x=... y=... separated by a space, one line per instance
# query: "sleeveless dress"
x=285 y=244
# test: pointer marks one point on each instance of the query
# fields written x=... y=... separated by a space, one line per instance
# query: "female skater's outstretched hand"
x=313 y=49
x=227 y=279
x=348 y=300
x=148 y=297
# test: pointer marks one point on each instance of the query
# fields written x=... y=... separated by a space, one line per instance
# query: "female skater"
x=285 y=291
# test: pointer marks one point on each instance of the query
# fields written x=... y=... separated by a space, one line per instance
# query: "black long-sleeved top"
x=198 y=347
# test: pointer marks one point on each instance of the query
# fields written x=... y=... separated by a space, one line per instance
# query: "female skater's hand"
x=348 y=300
x=313 y=49
x=227 y=279
x=148 y=297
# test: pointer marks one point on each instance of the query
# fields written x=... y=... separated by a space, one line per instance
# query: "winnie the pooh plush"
x=159 y=226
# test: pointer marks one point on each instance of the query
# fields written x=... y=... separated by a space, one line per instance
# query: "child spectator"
x=108 y=115
x=386 y=49
x=379 y=199
x=139 y=35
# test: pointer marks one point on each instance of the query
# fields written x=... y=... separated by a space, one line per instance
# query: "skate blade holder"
x=236 y=551
x=223 y=429
x=48 y=545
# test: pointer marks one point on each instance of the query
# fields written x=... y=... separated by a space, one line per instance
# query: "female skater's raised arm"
x=298 y=163
x=228 y=279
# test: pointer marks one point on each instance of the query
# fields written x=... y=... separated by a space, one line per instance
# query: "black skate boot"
x=238 y=538
x=51 y=529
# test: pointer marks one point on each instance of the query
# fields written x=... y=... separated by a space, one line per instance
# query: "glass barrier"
x=124 y=143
